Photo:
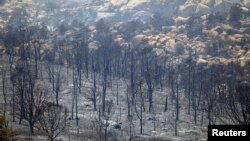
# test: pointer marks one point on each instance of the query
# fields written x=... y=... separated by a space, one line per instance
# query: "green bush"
x=2 y=121
x=5 y=133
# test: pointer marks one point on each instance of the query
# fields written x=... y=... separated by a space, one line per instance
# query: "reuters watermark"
x=241 y=132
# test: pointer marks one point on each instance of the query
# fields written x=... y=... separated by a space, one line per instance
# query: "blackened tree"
x=237 y=103
x=53 y=120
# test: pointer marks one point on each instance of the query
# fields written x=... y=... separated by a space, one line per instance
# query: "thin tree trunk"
x=176 y=127
x=94 y=93
x=189 y=92
x=177 y=102
x=3 y=90
x=117 y=92
x=166 y=104
x=13 y=103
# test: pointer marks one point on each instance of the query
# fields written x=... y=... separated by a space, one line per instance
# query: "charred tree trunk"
x=166 y=104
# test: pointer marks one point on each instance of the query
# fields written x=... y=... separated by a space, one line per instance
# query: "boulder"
x=187 y=10
x=138 y=39
x=224 y=5
x=165 y=7
x=209 y=3
x=136 y=4
x=142 y=15
x=118 y=2
x=202 y=9
x=246 y=3
x=179 y=2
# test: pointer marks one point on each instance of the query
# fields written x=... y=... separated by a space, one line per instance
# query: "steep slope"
x=125 y=10
x=183 y=8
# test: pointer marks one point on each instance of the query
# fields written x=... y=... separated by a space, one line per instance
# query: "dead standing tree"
x=58 y=85
x=105 y=40
x=93 y=96
x=53 y=120
x=4 y=92
x=104 y=120
x=237 y=106
x=140 y=102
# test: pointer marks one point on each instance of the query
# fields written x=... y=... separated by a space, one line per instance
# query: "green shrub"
x=2 y=121
x=5 y=133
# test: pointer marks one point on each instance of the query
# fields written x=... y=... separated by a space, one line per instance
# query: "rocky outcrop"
x=118 y=2
x=191 y=9
x=183 y=8
x=126 y=10
x=203 y=9
x=223 y=6
x=187 y=10
x=246 y=3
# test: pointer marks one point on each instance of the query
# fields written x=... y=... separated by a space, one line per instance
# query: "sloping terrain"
x=162 y=69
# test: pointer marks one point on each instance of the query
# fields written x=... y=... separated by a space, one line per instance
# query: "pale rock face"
x=101 y=15
x=137 y=4
x=246 y=3
x=187 y=10
x=118 y=2
x=209 y=3
x=184 y=8
x=179 y=2
x=233 y=1
x=25 y=1
x=191 y=2
x=165 y=7
x=171 y=43
x=222 y=6
x=105 y=7
x=203 y=9
x=138 y=39
x=129 y=4
x=143 y=15
x=212 y=3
